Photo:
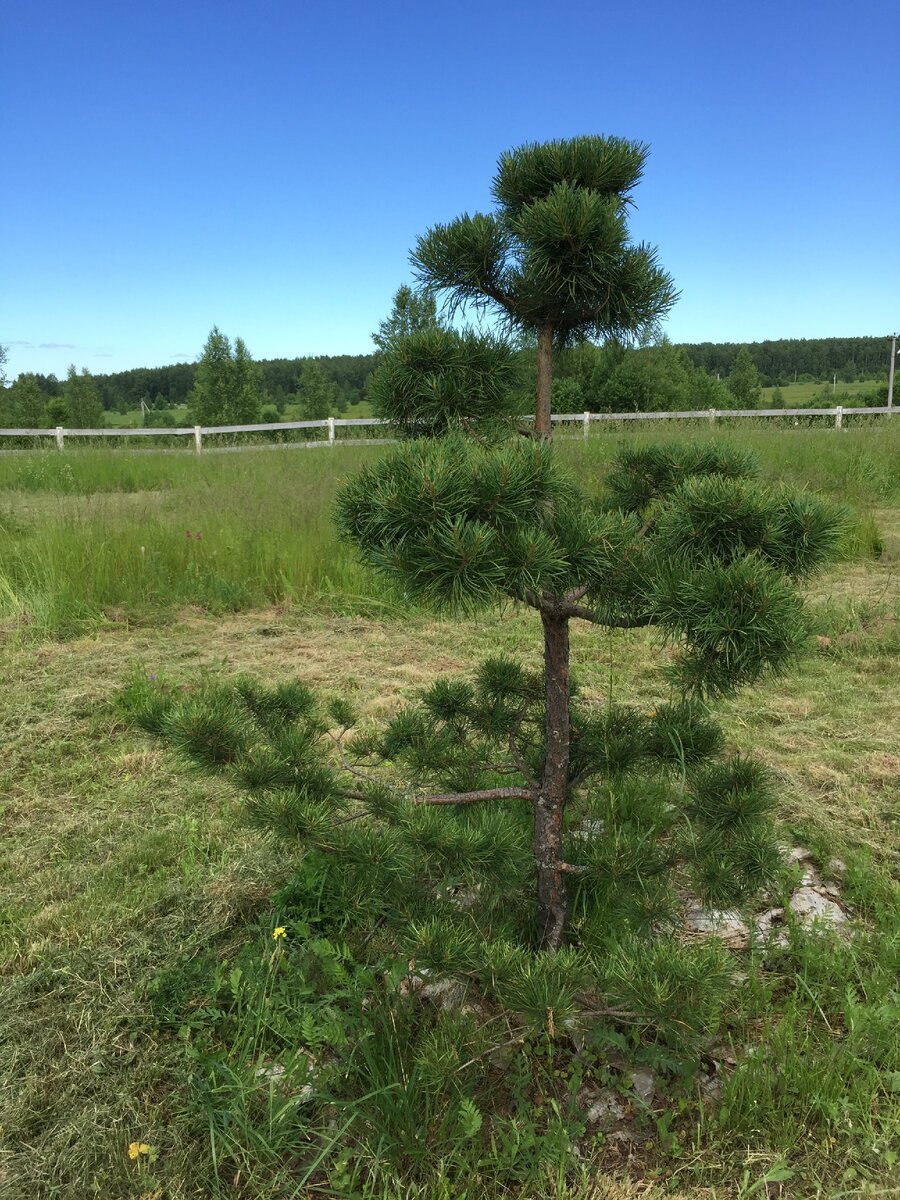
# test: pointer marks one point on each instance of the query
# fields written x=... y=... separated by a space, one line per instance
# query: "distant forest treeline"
x=778 y=362
x=791 y=360
x=164 y=387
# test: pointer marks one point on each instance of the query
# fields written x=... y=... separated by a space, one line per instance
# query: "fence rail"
x=332 y=424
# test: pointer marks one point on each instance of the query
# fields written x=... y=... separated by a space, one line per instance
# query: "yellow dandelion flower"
x=136 y=1149
x=279 y=932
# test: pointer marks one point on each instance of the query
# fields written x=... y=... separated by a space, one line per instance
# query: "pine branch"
x=499 y=793
x=519 y=759
x=576 y=594
x=588 y=614
x=338 y=740
x=353 y=816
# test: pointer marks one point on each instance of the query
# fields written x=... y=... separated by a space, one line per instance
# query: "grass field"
x=92 y=537
x=795 y=395
x=127 y=881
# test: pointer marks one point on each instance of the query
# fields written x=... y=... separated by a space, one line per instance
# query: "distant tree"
x=269 y=414
x=49 y=385
x=554 y=259
x=411 y=312
x=227 y=389
x=316 y=394
x=85 y=409
x=743 y=380
x=159 y=418
x=57 y=411
x=657 y=378
x=709 y=392
x=568 y=395
x=3 y=359
x=211 y=396
x=776 y=400
x=24 y=405
x=435 y=379
x=248 y=389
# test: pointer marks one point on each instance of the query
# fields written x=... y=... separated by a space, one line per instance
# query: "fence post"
x=839 y=417
x=60 y=437
x=712 y=416
x=587 y=423
x=331 y=431
x=198 y=438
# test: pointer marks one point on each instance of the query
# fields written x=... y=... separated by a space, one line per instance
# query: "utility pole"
x=890 y=402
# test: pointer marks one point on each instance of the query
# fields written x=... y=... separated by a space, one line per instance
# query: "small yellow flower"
x=136 y=1149
x=279 y=932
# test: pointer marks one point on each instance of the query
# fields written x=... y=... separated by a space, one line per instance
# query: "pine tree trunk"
x=543 y=426
x=548 y=815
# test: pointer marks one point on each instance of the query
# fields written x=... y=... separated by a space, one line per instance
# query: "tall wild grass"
x=91 y=534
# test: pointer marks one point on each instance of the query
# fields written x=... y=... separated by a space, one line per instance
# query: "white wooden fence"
x=333 y=424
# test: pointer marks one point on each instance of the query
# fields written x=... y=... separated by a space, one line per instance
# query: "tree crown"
x=433 y=379
x=685 y=539
x=557 y=249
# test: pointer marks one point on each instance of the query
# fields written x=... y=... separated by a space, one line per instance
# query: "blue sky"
x=266 y=167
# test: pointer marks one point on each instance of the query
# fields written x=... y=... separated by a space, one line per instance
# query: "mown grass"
x=89 y=537
x=129 y=887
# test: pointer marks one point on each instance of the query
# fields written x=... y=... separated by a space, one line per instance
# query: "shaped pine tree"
x=508 y=782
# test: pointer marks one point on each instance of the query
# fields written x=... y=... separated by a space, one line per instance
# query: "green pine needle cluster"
x=436 y=379
x=653 y=806
x=687 y=540
x=556 y=250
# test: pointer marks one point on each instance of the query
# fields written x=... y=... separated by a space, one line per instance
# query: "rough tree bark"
x=551 y=802
x=543 y=427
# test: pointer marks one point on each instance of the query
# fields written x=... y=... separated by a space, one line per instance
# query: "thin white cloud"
x=57 y=346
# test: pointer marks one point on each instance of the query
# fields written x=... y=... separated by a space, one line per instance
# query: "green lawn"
x=798 y=394
x=131 y=887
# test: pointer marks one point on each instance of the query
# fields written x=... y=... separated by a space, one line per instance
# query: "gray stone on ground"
x=603 y=1107
x=643 y=1082
x=725 y=924
x=710 y=1086
x=448 y=993
x=813 y=908
x=798 y=854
